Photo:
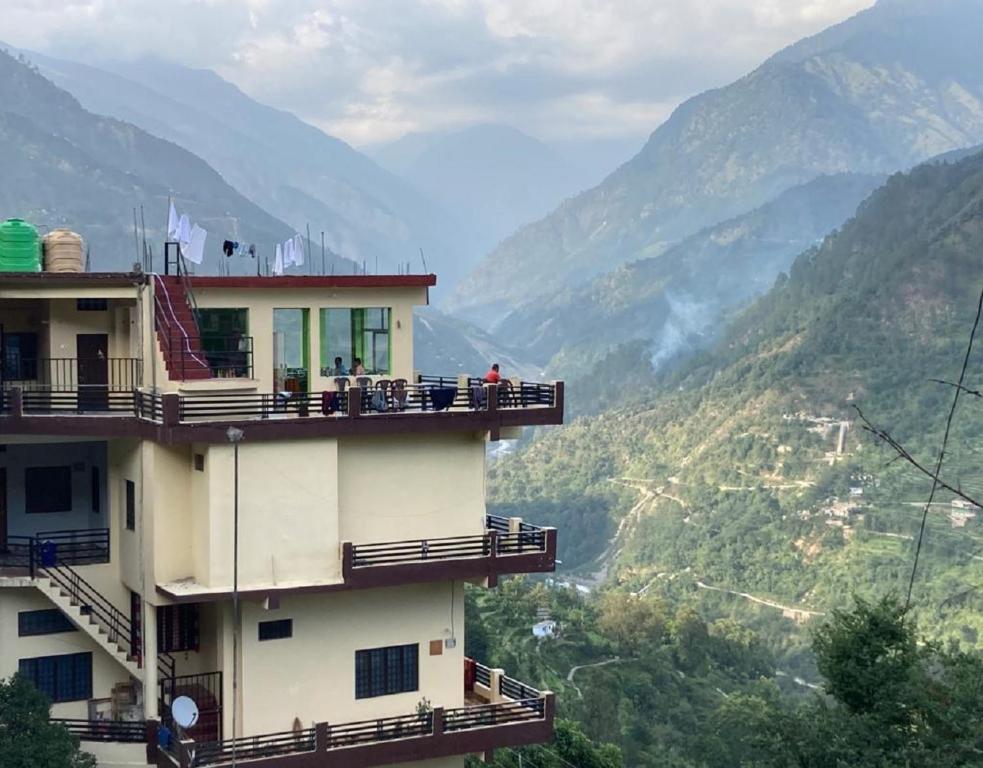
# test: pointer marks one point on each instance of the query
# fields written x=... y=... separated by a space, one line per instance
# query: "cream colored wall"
x=311 y=676
x=105 y=672
x=65 y=322
x=288 y=513
x=411 y=486
x=262 y=302
x=174 y=528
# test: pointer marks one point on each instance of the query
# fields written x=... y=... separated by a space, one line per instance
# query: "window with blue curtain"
x=384 y=671
x=61 y=678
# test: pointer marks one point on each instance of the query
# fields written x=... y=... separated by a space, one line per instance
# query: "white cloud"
x=373 y=69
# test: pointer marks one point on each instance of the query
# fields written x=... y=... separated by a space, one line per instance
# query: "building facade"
x=198 y=498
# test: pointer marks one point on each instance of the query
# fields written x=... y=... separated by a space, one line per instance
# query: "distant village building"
x=856 y=490
x=544 y=629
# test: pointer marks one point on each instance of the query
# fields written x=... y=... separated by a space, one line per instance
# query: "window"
x=60 y=678
x=47 y=489
x=20 y=356
x=131 y=505
x=44 y=622
x=351 y=333
x=383 y=671
x=177 y=628
x=91 y=305
x=199 y=462
x=276 y=630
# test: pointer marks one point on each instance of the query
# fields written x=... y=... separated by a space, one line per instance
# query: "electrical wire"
x=945 y=441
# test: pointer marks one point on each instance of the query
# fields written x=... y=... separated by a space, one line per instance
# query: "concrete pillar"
x=149 y=661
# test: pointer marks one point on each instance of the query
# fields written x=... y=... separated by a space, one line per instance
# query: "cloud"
x=369 y=70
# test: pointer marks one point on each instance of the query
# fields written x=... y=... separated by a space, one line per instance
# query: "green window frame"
x=362 y=332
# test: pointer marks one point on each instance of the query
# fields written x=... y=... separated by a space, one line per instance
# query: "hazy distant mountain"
x=292 y=169
x=884 y=90
x=677 y=301
x=64 y=166
x=495 y=177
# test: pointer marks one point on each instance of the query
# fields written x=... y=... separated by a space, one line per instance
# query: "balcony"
x=507 y=546
x=83 y=546
x=431 y=404
x=501 y=712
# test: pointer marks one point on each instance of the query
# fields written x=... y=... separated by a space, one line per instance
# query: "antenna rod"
x=143 y=226
x=136 y=238
x=310 y=256
x=323 y=270
x=424 y=260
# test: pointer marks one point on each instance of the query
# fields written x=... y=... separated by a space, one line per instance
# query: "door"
x=3 y=508
x=93 y=371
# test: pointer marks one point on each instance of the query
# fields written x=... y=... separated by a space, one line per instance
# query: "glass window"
x=44 y=622
x=177 y=628
x=276 y=630
x=20 y=357
x=47 y=489
x=356 y=333
x=384 y=671
x=60 y=678
x=131 y=505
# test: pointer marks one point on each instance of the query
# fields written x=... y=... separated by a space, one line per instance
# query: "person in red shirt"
x=493 y=376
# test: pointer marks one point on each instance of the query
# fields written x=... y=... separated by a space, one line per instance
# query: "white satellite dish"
x=184 y=711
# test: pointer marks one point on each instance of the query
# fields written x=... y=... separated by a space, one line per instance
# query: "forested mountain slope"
x=64 y=166
x=726 y=474
x=890 y=87
x=675 y=302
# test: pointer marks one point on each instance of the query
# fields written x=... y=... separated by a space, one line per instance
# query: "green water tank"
x=20 y=247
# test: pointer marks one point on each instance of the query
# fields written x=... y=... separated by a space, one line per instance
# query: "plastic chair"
x=341 y=383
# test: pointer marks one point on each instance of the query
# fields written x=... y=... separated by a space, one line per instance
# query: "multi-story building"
x=195 y=502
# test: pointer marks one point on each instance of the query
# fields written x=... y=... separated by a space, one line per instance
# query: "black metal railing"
x=166 y=666
x=84 y=546
x=415 y=550
x=92 y=400
x=482 y=674
x=125 y=731
x=148 y=405
x=382 y=729
x=229 y=355
x=17 y=552
x=513 y=689
x=205 y=688
x=111 y=620
x=116 y=374
x=253 y=747
x=529 y=538
x=501 y=713
x=232 y=405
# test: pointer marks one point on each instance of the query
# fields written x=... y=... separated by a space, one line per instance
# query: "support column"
x=150 y=703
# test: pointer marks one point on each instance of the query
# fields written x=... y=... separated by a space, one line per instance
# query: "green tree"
x=570 y=747
x=27 y=738
x=632 y=622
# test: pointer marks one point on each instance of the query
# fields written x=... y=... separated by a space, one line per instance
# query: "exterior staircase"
x=177 y=329
x=91 y=612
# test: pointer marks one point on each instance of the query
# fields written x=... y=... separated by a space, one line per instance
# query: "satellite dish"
x=184 y=711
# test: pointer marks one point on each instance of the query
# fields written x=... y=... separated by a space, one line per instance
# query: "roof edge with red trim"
x=314 y=281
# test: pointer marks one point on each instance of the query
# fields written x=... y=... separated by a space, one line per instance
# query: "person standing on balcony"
x=493 y=376
x=338 y=369
x=357 y=368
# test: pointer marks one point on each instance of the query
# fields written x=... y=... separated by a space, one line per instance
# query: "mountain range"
x=888 y=88
x=64 y=166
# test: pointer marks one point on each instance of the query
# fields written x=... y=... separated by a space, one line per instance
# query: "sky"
x=370 y=71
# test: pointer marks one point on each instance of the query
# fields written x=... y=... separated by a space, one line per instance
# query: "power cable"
x=945 y=441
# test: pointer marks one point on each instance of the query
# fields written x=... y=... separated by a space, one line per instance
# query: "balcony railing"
x=507 y=546
x=499 y=721
x=83 y=546
x=122 y=731
x=70 y=374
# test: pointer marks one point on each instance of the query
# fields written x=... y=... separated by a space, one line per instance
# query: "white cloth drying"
x=298 y=250
x=278 y=260
x=195 y=249
x=172 y=222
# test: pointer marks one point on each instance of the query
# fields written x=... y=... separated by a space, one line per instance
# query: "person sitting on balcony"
x=357 y=368
x=493 y=376
x=338 y=369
